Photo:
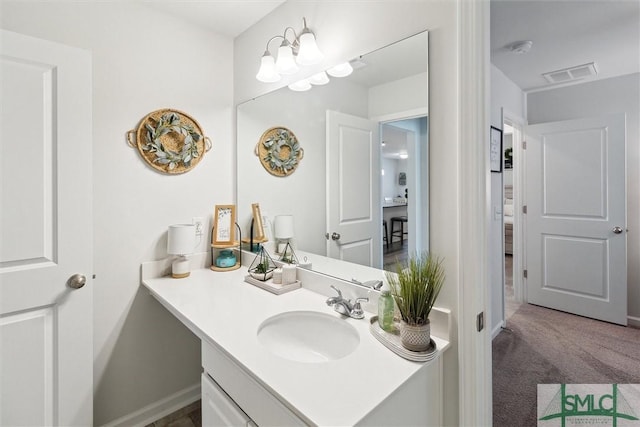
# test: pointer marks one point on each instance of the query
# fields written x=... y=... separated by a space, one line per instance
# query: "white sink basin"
x=308 y=336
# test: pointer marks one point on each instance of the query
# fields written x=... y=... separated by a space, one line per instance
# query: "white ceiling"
x=565 y=33
x=226 y=17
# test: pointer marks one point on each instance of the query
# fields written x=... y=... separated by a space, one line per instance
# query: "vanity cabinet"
x=245 y=384
x=239 y=395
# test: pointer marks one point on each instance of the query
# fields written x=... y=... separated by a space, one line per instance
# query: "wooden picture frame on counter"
x=258 y=228
x=224 y=225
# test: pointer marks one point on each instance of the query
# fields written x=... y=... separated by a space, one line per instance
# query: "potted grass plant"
x=414 y=288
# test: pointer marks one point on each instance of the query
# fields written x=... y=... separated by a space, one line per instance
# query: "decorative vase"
x=415 y=337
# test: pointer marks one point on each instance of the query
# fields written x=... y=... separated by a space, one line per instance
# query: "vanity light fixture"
x=302 y=50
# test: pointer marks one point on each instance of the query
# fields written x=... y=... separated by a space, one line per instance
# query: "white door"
x=354 y=212
x=46 y=354
x=576 y=217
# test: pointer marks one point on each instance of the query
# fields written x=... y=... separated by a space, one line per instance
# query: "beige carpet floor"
x=544 y=346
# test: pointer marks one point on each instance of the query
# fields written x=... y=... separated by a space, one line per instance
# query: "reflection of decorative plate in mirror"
x=170 y=141
x=279 y=151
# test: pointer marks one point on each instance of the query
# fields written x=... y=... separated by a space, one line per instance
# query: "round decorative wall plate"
x=279 y=151
x=170 y=141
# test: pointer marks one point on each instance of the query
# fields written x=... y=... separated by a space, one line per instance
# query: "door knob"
x=335 y=236
x=617 y=230
x=76 y=281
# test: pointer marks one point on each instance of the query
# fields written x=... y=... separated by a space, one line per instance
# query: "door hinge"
x=524 y=209
x=525 y=273
x=480 y=321
x=524 y=145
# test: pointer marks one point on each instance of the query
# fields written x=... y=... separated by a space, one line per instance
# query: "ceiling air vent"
x=570 y=74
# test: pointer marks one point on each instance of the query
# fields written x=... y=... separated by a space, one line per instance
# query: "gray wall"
x=614 y=95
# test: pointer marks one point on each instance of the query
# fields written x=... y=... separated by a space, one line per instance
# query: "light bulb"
x=285 y=64
x=320 y=78
x=308 y=54
x=267 y=72
x=300 y=85
x=340 y=70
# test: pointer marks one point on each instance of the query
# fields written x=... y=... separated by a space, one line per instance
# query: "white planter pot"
x=263 y=277
x=415 y=338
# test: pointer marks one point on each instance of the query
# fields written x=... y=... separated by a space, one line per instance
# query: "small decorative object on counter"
x=288 y=273
x=386 y=309
x=225 y=239
x=415 y=289
x=277 y=276
x=262 y=266
x=393 y=342
x=226 y=259
x=264 y=274
x=288 y=256
x=256 y=232
x=181 y=241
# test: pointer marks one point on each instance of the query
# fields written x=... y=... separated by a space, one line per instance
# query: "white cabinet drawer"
x=260 y=405
x=218 y=410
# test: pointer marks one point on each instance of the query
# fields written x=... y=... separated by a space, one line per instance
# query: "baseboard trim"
x=633 y=321
x=496 y=330
x=159 y=409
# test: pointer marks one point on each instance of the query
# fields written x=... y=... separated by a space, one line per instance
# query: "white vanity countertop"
x=219 y=307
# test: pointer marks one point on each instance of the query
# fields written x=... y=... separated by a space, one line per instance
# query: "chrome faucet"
x=345 y=306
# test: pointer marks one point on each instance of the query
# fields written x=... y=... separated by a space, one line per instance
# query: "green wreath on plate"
x=170 y=122
x=279 y=151
x=169 y=141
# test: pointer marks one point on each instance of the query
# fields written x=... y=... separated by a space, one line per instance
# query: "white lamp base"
x=280 y=247
x=181 y=267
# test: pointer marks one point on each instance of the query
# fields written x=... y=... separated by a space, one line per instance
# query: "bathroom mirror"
x=360 y=187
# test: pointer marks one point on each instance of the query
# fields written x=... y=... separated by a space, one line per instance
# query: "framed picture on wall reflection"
x=508 y=158
x=495 y=153
x=258 y=229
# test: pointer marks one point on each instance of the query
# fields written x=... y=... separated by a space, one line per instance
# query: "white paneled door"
x=46 y=354
x=576 y=217
x=354 y=211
